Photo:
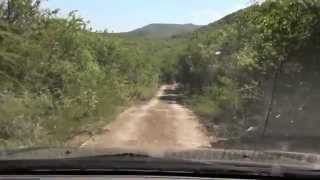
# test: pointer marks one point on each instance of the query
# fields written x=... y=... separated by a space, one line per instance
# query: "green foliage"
x=235 y=61
x=59 y=79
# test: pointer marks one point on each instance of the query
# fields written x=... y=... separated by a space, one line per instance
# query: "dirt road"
x=161 y=124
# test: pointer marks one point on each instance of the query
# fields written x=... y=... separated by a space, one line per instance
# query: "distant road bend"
x=159 y=125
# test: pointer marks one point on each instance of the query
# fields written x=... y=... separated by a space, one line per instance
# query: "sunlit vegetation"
x=257 y=68
x=59 y=79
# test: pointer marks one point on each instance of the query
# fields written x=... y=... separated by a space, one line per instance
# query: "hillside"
x=161 y=31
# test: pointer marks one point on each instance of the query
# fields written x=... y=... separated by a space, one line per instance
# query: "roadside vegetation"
x=256 y=72
x=59 y=79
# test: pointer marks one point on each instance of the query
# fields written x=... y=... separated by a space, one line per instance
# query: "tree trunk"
x=273 y=93
x=9 y=11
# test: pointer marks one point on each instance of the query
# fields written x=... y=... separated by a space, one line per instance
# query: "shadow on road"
x=172 y=95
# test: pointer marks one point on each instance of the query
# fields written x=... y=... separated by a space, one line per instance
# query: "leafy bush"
x=254 y=62
x=58 y=78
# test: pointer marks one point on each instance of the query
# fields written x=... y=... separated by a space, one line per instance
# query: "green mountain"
x=162 y=31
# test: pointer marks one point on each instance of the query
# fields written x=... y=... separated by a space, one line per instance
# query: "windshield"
x=234 y=76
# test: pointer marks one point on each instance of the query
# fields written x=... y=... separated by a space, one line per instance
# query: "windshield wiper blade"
x=8 y=152
x=129 y=155
x=63 y=153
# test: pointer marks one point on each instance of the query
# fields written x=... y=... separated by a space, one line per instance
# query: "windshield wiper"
x=9 y=152
x=63 y=153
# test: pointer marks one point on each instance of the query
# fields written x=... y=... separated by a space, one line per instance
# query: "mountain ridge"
x=161 y=30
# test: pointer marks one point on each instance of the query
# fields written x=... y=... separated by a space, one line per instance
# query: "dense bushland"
x=257 y=68
x=59 y=79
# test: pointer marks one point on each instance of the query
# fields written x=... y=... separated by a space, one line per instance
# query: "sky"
x=127 y=15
